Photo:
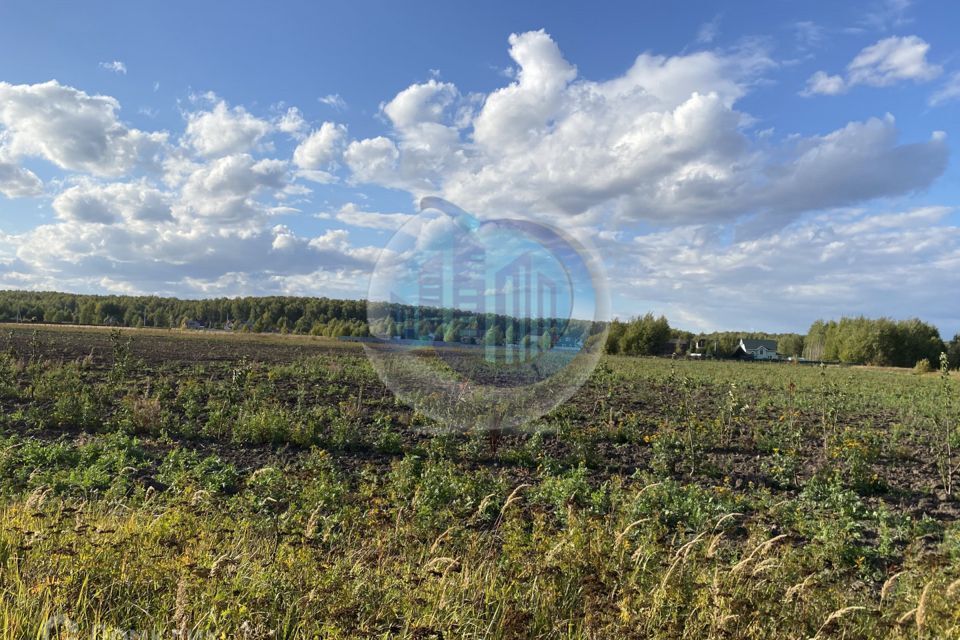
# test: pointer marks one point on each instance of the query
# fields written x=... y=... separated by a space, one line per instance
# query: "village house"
x=749 y=349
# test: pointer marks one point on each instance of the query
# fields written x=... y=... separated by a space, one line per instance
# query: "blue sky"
x=753 y=166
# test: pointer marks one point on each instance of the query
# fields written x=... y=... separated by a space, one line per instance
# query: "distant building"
x=756 y=349
x=675 y=346
x=193 y=324
x=569 y=342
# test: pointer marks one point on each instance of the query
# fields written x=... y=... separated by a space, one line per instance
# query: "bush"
x=922 y=367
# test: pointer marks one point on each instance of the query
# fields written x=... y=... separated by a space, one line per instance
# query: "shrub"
x=269 y=425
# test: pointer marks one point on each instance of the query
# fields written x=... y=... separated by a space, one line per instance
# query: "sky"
x=753 y=167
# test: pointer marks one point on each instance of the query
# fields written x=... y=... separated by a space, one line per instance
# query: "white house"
x=757 y=349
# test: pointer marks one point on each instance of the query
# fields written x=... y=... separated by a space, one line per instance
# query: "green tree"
x=546 y=341
x=452 y=334
x=790 y=345
x=494 y=337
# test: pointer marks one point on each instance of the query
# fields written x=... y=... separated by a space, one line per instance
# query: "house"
x=569 y=342
x=236 y=325
x=193 y=324
x=756 y=349
x=675 y=346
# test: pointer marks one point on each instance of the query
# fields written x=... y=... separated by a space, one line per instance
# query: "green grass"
x=237 y=498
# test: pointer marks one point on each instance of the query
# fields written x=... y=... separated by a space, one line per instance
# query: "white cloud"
x=207 y=225
x=892 y=60
x=116 y=66
x=173 y=259
x=372 y=159
x=223 y=131
x=662 y=142
x=332 y=239
x=350 y=214
x=130 y=202
x=515 y=114
x=333 y=100
x=421 y=103
x=213 y=232
x=859 y=162
x=225 y=191
x=292 y=122
x=825 y=266
x=824 y=84
x=73 y=130
x=17 y=182
x=948 y=92
x=322 y=148
x=885 y=63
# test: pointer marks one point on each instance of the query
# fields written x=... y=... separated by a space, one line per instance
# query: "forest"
x=880 y=342
x=284 y=314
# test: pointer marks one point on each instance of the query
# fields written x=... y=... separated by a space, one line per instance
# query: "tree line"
x=860 y=340
x=470 y=327
x=882 y=341
x=285 y=314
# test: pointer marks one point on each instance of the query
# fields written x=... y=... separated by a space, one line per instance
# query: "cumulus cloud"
x=662 y=142
x=372 y=159
x=420 y=103
x=885 y=63
x=223 y=130
x=516 y=114
x=212 y=232
x=168 y=258
x=17 y=182
x=822 y=83
x=292 y=122
x=322 y=148
x=225 y=191
x=201 y=224
x=109 y=203
x=73 y=130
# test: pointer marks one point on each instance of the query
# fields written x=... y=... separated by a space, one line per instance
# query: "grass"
x=244 y=494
